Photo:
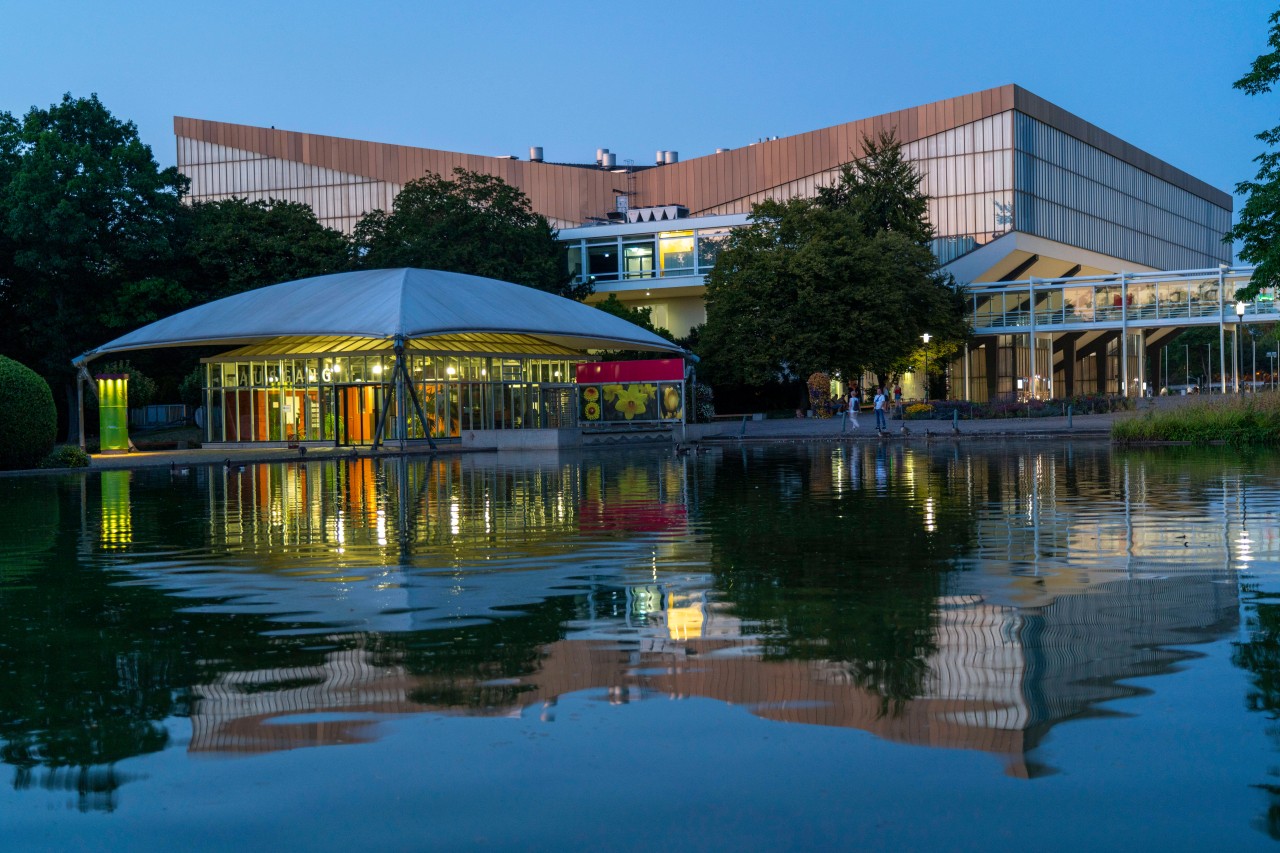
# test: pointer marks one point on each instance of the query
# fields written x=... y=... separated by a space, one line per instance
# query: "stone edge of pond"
x=210 y=458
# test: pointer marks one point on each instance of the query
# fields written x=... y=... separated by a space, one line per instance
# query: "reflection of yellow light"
x=117 y=512
x=930 y=519
x=685 y=623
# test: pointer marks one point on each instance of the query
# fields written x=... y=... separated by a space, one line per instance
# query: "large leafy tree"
x=229 y=246
x=842 y=282
x=473 y=223
x=1258 y=229
x=84 y=212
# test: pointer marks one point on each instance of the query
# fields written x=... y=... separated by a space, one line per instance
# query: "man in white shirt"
x=879 y=402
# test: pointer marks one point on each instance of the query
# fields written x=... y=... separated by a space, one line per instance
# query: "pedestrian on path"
x=880 y=401
x=851 y=410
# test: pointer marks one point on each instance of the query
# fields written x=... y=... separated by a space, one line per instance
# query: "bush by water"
x=28 y=418
x=1248 y=420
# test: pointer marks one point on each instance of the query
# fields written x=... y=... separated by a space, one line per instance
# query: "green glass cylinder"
x=113 y=412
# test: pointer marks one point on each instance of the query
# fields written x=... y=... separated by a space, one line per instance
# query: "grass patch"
x=1247 y=420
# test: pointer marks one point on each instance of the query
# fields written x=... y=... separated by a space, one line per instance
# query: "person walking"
x=851 y=409
x=879 y=403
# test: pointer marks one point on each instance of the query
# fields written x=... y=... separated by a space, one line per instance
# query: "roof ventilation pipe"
x=670 y=158
x=535 y=154
x=659 y=158
x=723 y=150
x=610 y=160
x=600 y=152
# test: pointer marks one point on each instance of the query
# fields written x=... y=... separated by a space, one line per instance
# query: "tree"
x=641 y=317
x=475 y=224
x=232 y=245
x=839 y=283
x=84 y=212
x=1259 y=227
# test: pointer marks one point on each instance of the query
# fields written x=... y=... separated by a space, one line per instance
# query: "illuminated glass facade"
x=339 y=399
x=1071 y=192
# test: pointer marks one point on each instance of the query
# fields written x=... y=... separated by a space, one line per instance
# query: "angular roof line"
x=572 y=193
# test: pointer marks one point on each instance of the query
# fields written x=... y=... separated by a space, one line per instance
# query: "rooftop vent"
x=660 y=213
x=535 y=154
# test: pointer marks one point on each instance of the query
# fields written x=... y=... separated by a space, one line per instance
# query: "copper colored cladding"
x=573 y=193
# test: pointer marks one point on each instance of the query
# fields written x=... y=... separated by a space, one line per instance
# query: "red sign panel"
x=653 y=370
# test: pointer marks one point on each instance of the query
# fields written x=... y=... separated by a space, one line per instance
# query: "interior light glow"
x=451 y=370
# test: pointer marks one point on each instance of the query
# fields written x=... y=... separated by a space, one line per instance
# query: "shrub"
x=1233 y=420
x=66 y=456
x=28 y=418
x=919 y=411
x=191 y=388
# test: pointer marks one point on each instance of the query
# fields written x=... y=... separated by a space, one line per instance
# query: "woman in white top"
x=851 y=409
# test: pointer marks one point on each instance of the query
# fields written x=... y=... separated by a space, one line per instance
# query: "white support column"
x=1222 y=335
x=1031 y=335
x=1124 y=333
x=968 y=389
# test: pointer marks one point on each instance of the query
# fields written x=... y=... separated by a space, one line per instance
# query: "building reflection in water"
x=1056 y=582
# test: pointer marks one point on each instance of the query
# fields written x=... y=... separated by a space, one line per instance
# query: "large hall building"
x=1020 y=190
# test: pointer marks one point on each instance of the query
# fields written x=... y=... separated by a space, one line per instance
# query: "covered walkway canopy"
x=332 y=358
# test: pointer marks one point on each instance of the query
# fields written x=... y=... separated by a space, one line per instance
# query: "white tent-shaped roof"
x=429 y=309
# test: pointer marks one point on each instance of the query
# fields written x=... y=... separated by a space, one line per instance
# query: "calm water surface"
x=795 y=647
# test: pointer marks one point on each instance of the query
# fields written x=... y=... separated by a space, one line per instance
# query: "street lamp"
x=925 y=336
x=1235 y=357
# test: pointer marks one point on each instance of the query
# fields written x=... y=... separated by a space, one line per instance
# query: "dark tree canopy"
x=641 y=317
x=1258 y=229
x=844 y=282
x=226 y=247
x=475 y=224
x=84 y=212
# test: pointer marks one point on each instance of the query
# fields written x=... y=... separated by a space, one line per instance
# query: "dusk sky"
x=495 y=78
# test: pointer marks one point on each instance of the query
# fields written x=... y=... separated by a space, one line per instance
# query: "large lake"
x=807 y=646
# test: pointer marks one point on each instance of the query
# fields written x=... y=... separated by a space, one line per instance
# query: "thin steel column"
x=1031 y=304
x=1222 y=335
x=1124 y=332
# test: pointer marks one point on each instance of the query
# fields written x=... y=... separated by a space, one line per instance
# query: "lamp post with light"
x=925 y=337
x=1235 y=355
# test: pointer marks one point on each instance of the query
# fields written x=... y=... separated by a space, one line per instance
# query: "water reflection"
x=930 y=595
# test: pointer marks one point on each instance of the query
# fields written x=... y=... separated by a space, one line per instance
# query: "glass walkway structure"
x=1100 y=334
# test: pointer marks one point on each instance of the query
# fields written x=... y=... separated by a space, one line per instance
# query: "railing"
x=1191 y=297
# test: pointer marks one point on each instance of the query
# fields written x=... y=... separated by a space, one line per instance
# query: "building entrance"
x=356 y=408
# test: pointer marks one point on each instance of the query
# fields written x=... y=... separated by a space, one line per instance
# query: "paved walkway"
x=793 y=429
x=1093 y=426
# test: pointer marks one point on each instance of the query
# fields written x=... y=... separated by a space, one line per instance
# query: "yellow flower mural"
x=632 y=400
x=591 y=411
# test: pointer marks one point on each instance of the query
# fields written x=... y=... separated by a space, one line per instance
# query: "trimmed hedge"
x=28 y=418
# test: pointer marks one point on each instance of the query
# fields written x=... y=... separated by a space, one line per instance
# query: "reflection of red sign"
x=632 y=516
x=653 y=370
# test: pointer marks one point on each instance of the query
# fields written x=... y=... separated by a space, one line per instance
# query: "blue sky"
x=497 y=77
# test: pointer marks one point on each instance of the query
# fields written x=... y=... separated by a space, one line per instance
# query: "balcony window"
x=709 y=246
x=602 y=261
x=675 y=252
x=637 y=260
